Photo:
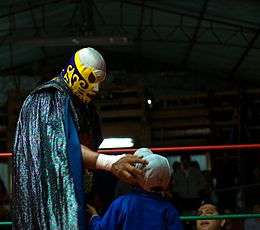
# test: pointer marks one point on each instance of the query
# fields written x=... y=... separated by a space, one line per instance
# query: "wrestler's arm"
x=121 y=166
x=89 y=157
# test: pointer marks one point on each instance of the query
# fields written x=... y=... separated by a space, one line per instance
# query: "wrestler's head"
x=84 y=73
x=157 y=174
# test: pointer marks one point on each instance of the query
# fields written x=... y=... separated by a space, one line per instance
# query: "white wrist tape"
x=105 y=162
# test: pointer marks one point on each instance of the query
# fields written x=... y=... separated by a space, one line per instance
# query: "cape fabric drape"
x=47 y=164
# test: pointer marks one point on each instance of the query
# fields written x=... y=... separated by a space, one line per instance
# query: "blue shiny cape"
x=48 y=169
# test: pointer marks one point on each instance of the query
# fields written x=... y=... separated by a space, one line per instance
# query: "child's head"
x=207 y=209
x=157 y=172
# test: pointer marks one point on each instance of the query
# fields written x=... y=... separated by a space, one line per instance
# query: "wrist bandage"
x=105 y=162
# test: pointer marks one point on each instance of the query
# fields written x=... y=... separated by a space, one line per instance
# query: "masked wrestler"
x=49 y=158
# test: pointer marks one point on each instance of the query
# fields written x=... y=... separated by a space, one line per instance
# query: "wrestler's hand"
x=125 y=170
x=91 y=211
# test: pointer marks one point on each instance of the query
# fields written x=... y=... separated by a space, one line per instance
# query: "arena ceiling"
x=218 y=38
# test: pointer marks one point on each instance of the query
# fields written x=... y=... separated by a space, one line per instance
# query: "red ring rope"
x=172 y=149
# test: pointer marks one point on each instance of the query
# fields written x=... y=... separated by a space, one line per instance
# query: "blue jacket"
x=138 y=210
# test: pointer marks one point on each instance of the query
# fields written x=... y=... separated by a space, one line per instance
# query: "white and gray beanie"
x=157 y=172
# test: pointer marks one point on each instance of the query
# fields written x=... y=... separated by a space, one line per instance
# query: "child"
x=143 y=208
x=207 y=209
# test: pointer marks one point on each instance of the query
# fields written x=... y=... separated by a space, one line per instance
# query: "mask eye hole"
x=91 y=78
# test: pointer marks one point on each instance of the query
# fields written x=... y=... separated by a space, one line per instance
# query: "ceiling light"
x=123 y=142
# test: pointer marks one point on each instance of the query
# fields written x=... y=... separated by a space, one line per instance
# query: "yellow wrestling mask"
x=84 y=73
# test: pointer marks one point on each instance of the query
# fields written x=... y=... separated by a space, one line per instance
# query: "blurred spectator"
x=210 y=193
x=4 y=197
x=176 y=166
x=195 y=164
x=256 y=174
x=4 y=202
x=226 y=175
x=253 y=224
x=188 y=185
x=208 y=209
x=252 y=193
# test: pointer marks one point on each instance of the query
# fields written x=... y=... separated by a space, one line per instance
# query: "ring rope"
x=171 y=149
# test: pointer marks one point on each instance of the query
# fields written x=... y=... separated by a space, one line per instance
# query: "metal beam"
x=90 y=8
x=23 y=8
x=35 y=25
x=87 y=14
x=245 y=53
x=208 y=19
x=99 y=13
x=34 y=21
x=195 y=34
x=141 y=22
x=70 y=41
